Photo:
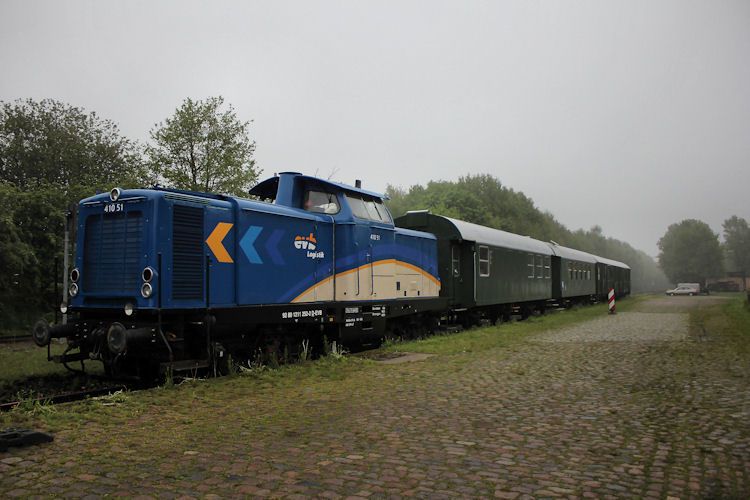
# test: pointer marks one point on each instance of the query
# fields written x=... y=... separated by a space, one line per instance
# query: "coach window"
x=484 y=261
x=456 y=260
x=570 y=270
x=539 y=266
x=530 y=265
x=547 y=272
x=322 y=203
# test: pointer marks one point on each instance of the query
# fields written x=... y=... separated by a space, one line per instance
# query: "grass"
x=261 y=411
x=505 y=334
x=19 y=361
x=320 y=378
x=730 y=320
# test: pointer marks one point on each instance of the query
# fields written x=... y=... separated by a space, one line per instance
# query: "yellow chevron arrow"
x=214 y=242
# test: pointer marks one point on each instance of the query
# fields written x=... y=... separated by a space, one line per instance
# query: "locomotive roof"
x=268 y=187
x=572 y=253
x=497 y=237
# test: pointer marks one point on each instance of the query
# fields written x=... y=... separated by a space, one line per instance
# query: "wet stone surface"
x=632 y=406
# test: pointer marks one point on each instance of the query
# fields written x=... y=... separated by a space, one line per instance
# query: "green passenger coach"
x=573 y=273
x=489 y=269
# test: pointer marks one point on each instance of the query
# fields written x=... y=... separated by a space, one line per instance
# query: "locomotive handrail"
x=356 y=252
x=372 y=273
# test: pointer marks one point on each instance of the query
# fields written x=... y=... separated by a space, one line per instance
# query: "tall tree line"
x=482 y=199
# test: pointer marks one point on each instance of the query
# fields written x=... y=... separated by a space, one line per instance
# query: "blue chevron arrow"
x=246 y=243
x=272 y=247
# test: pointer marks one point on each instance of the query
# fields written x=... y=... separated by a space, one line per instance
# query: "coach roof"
x=496 y=237
x=610 y=262
x=572 y=253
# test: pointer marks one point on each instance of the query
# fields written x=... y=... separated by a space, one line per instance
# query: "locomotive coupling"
x=42 y=332
x=119 y=338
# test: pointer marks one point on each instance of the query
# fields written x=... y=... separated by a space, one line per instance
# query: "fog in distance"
x=631 y=115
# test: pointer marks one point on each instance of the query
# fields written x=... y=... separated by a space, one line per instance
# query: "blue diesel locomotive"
x=170 y=279
x=167 y=276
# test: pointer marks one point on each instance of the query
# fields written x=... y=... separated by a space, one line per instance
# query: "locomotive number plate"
x=113 y=207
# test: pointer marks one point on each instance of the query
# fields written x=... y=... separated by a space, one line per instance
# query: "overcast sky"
x=631 y=115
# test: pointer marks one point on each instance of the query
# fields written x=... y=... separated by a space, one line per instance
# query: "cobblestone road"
x=635 y=405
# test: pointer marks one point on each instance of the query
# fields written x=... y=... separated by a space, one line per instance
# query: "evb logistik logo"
x=309 y=245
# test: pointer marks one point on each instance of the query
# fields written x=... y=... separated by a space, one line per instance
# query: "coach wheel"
x=691 y=294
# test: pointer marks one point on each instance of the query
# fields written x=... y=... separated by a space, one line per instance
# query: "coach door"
x=557 y=282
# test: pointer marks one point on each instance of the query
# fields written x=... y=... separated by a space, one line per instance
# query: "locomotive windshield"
x=321 y=202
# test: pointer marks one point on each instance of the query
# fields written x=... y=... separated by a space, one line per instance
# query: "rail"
x=63 y=398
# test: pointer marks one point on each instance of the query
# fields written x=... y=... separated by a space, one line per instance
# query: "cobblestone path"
x=635 y=405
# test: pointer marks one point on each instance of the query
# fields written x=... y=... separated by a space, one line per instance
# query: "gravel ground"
x=635 y=405
x=624 y=327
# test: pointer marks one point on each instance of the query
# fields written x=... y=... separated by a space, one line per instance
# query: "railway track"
x=64 y=398
x=15 y=339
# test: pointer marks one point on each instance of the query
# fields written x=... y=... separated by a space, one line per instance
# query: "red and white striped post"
x=611 y=301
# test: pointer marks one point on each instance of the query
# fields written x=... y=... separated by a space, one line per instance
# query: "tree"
x=51 y=143
x=690 y=252
x=51 y=156
x=203 y=148
x=483 y=199
x=737 y=238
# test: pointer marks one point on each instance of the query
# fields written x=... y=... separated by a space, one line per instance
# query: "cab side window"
x=368 y=209
x=321 y=202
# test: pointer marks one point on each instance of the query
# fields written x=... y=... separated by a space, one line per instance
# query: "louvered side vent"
x=187 y=253
x=112 y=248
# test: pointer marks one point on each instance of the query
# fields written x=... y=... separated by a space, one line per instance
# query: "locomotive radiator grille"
x=187 y=253
x=111 y=252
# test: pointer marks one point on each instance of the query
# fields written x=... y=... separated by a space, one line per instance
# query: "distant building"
x=732 y=282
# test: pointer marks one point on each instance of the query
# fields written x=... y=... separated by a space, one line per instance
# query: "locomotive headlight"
x=129 y=308
x=74 y=275
x=146 y=290
x=63 y=308
x=114 y=195
x=147 y=274
x=73 y=290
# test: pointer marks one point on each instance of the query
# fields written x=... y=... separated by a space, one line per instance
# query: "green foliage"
x=203 y=148
x=690 y=252
x=737 y=243
x=49 y=143
x=482 y=199
x=51 y=156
